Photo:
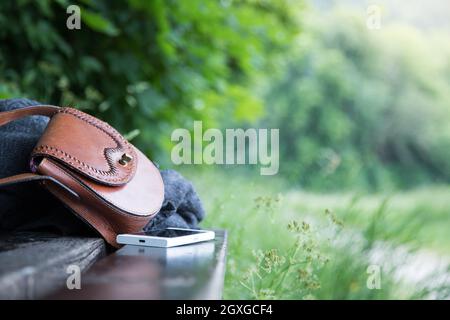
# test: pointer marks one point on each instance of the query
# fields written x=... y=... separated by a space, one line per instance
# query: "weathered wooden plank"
x=187 y=272
x=32 y=265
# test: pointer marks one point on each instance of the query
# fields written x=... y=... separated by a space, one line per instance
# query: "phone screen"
x=169 y=233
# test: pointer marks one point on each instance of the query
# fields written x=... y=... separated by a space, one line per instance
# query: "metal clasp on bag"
x=125 y=159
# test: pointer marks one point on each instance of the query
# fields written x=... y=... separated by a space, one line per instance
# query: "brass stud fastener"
x=126 y=158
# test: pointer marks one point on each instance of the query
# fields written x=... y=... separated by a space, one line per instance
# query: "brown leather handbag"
x=93 y=170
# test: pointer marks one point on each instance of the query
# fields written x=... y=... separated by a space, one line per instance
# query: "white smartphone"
x=165 y=238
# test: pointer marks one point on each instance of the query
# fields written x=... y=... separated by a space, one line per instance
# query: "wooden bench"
x=35 y=266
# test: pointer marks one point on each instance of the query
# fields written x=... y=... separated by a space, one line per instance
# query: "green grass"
x=420 y=218
x=287 y=243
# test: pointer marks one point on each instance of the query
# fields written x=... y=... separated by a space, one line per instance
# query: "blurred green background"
x=364 y=118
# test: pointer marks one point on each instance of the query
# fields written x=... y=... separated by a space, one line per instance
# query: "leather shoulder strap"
x=8 y=116
x=30 y=177
x=44 y=110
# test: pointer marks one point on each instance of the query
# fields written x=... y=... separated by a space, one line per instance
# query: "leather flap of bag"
x=89 y=146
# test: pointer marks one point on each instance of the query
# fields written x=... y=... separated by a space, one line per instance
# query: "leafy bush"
x=357 y=109
x=143 y=65
x=364 y=109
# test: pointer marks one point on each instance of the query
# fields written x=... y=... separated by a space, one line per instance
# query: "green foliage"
x=356 y=108
x=273 y=274
x=362 y=108
x=144 y=65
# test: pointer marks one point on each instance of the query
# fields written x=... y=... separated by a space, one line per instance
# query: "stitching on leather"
x=121 y=143
x=114 y=135
x=53 y=152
